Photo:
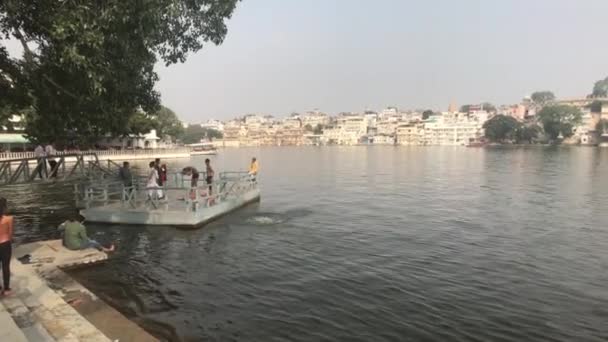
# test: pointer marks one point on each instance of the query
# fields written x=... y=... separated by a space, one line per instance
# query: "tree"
x=166 y=123
x=140 y=123
x=195 y=133
x=308 y=128
x=602 y=126
x=465 y=108
x=318 y=129
x=559 y=119
x=595 y=106
x=426 y=114
x=527 y=133
x=600 y=89
x=88 y=66
x=488 y=107
x=542 y=98
x=501 y=128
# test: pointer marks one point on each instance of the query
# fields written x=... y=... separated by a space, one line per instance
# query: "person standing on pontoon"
x=210 y=174
x=152 y=183
x=253 y=169
x=193 y=173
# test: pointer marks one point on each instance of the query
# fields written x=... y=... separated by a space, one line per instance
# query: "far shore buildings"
x=392 y=126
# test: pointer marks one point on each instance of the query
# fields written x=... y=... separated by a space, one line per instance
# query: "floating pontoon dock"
x=182 y=205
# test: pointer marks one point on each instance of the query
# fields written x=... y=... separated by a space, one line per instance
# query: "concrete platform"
x=52 y=254
x=169 y=213
x=45 y=301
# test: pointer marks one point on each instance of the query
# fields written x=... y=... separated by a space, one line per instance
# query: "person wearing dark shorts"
x=210 y=174
x=194 y=175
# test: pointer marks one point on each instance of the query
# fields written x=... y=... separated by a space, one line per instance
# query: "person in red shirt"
x=6 y=248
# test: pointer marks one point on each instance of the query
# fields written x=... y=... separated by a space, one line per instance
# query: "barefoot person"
x=193 y=173
x=75 y=236
x=253 y=169
x=6 y=236
x=210 y=173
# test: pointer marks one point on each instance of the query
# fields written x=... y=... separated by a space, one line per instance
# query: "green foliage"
x=596 y=106
x=602 y=126
x=426 y=114
x=527 y=133
x=542 y=98
x=140 y=123
x=308 y=128
x=167 y=123
x=318 y=129
x=465 y=108
x=93 y=66
x=488 y=107
x=195 y=133
x=559 y=119
x=501 y=128
x=600 y=89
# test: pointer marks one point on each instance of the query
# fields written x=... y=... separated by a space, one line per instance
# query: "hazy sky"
x=347 y=55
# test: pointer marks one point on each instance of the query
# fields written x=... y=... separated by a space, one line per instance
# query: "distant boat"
x=476 y=143
x=205 y=148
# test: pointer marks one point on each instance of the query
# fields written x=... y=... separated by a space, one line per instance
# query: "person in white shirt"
x=39 y=153
x=50 y=151
x=152 y=183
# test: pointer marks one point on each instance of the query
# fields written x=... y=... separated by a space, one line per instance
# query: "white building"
x=453 y=129
x=146 y=141
x=213 y=124
x=383 y=139
x=315 y=118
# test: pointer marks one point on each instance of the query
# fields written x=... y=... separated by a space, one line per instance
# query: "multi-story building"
x=453 y=129
x=383 y=139
x=314 y=119
x=408 y=134
x=292 y=122
x=386 y=127
x=213 y=124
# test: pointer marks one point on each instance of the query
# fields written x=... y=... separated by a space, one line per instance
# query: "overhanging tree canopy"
x=88 y=66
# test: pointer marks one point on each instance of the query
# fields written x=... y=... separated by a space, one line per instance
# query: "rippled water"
x=371 y=244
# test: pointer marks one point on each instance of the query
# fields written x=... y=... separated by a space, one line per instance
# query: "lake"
x=369 y=244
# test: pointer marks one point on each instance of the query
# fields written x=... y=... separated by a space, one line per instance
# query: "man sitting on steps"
x=75 y=236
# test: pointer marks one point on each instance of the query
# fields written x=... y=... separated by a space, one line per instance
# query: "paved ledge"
x=43 y=314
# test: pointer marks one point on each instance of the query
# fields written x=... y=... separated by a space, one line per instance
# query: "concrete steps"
x=25 y=318
x=42 y=314
x=9 y=331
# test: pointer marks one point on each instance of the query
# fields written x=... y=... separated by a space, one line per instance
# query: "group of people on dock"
x=48 y=152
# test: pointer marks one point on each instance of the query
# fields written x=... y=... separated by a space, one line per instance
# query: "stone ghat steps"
x=41 y=313
x=24 y=325
x=9 y=331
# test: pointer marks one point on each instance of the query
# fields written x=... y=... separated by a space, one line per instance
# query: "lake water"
x=370 y=244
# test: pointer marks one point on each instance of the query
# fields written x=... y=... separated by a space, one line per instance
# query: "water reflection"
x=372 y=243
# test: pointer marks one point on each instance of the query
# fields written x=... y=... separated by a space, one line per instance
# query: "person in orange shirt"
x=253 y=169
x=6 y=236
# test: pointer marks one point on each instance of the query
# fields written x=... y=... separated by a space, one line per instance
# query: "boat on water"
x=204 y=148
x=176 y=203
x=476 y=143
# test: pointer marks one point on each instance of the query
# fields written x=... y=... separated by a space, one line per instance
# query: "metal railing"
x=139 y=195
x=148 y=152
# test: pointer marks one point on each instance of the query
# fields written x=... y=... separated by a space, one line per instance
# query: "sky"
x=282 y=56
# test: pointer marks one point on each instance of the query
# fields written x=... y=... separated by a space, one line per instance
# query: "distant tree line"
x=555 y=121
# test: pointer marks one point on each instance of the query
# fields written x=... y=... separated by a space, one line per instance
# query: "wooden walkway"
x=53 y=169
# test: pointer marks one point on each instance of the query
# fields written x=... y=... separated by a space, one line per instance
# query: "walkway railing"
x=100 y=153
x=34 y=169
x=175 y=195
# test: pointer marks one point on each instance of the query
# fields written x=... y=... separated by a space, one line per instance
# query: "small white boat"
x=205 y=148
